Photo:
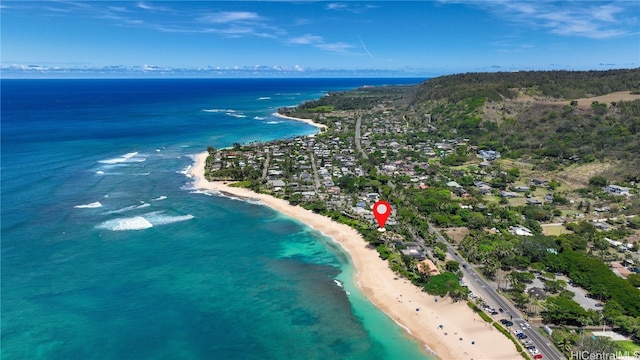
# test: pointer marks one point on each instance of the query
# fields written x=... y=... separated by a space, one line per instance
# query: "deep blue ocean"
x=108 y=252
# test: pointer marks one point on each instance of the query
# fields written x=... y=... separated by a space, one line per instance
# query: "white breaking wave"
x=272 y=122
x=132 y=223
x=186 y=171
x=159 y=198
x=233 y=114
x=225 y=195
x=259 y=117
x=99 y=172
x=155 y=218
x=129 y=208
x=145 y=221
x=93 y=205
x=219 y=110
x=264 y=98
x=206 y=192
x=129 y=157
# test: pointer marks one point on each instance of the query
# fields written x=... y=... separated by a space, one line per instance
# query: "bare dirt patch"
x=604 y=99
x=456 y=234
x=578 y=176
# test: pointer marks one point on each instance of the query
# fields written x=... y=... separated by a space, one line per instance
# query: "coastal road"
x=487 y=292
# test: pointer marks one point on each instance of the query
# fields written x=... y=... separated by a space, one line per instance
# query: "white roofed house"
x=617 y=190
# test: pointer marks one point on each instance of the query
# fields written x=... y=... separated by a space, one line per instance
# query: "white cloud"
x=306 y=39
x=354 y=7
x=147 y=6
x=230 y=16
x=338 y=47
x=567 y=18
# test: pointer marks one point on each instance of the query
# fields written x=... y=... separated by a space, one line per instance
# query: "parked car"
x=504 y=321
x=537 y=356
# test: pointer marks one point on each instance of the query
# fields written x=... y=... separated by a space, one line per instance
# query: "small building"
x=539 y=182
x=508 y=194
x=601 y=225
x=520 y=231
x=489 y=155
x=428 y=267
x=276 y=183
x=412 y=249
x=617 y=190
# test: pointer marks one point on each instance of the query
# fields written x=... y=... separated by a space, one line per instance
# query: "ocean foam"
x=126 y=158
x=132 y=223
x=156 y=218
x=272 y=122
x=145 y=221
x=228 y=196
x=206 y=192
x=159 y=198
x=93 y=205
x=219 y=110
x=129 y=208
x=186 y=171
x=233 y=114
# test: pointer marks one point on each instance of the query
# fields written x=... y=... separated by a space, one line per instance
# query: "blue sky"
x=307 y=38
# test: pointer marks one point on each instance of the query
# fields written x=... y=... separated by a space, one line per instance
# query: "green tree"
x=563 y=311
x=452 y=266
x=599 y=181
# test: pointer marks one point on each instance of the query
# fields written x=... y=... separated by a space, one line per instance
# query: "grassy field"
x=555 y=230
x=628 y=346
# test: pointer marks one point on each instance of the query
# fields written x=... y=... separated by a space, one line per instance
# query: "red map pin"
x=381 y=210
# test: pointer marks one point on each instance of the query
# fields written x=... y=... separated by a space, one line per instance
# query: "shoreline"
x=417 y=312
x=306 y=121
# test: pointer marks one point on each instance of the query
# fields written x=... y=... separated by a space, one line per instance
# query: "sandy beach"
x=306 y=121
x=419 y=313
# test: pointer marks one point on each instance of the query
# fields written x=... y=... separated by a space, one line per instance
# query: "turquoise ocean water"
x=108 y=252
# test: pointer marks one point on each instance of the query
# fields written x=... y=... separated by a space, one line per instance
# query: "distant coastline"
x=463 y=335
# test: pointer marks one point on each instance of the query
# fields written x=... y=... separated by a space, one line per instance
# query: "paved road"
x=265 y=167
x=315 y=171
x=486 y=291
x=357 y=139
